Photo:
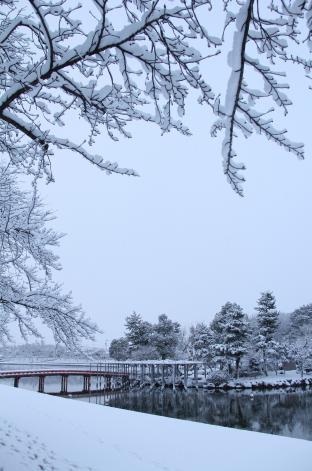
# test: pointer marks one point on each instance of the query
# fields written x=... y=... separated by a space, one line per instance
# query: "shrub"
x=218 y=377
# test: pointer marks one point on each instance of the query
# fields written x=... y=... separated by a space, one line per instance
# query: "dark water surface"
x=287 y=413
x=280 y=412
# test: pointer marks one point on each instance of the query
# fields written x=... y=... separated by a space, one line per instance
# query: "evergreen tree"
x=236 y=333
x=119 y=349
x=301 y=322
x=217 y=326
x=218 y=323
x=166 y=336
x=267 y=321
x=201 y=342
x=138 y=332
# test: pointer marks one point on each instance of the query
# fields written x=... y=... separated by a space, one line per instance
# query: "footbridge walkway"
x=106 y=376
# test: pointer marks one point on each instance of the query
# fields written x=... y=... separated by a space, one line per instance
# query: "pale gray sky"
x=178 y=239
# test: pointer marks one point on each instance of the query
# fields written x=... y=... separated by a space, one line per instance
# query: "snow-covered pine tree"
x=27 y=261
x=201 y=343
x=267 y=322
x=217 y=326
x=301 y=322
x=166 y=336
x=236 y=334
x=119 y=349
x=138 y=331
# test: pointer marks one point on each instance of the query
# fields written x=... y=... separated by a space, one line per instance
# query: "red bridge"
x=105 y=380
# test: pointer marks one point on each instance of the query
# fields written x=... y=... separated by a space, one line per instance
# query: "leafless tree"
x=118 y=61
x=27 y=291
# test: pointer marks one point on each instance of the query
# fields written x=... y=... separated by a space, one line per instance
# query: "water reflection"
x=280 y=413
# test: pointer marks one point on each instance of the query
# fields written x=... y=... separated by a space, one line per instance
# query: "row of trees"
x=144 y=340
x=232 y=342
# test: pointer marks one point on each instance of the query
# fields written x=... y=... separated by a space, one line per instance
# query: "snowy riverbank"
x=289 y=379
x=39 y=432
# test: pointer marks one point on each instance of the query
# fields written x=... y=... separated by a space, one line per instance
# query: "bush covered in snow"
x=218 y=377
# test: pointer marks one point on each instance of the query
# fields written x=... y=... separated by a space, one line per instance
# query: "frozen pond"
x=281 y=412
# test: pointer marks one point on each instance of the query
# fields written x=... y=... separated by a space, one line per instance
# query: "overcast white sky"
x=178 y=239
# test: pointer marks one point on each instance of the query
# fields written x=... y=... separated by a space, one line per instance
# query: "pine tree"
x=219 y=322
x=301 y=322
x=119 y=349
x=231 y=331
x=166 y=336
x=236 y=333
x=218 y=328
x=201 y=342
x=267 y=320
x=138 y=332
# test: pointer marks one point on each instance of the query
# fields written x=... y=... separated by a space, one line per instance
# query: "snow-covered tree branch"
x=114 y=62
x=52 y=62
x=27 y=291
x=266 y=36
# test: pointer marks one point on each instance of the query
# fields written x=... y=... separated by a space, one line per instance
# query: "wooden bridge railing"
x=108 y=380
x=114 y=375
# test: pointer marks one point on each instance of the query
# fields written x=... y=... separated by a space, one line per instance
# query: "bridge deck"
x=33 y=373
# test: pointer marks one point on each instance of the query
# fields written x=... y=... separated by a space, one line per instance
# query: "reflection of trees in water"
x=282 y=413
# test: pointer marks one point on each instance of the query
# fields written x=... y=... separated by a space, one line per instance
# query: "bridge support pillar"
x=142 y=374
x=16 y=381
x=153 y=374
x=64 y=384
x=41 y=384
x=185 y=376
x=196 y=376
x=86 y=383
x=173 y=377
x=125 y=382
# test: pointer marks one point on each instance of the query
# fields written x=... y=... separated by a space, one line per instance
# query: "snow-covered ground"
x=40 y=432
x=289 y=378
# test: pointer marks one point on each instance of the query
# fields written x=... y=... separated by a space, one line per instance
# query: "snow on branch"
x=111 y=63
x=52 y=62
x=27 y=262
x=258 y=32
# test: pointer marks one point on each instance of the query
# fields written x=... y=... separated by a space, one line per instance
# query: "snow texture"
x=39 y=432
x=112 y=63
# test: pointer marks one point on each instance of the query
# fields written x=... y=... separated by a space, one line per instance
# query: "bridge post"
x=64 y=383
x=162 y=377
x=196 y=375
x=173 y=377
x=16 y=381
x=124 y=381
x=152 y=374
x=41 y=384
x=185 y=375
